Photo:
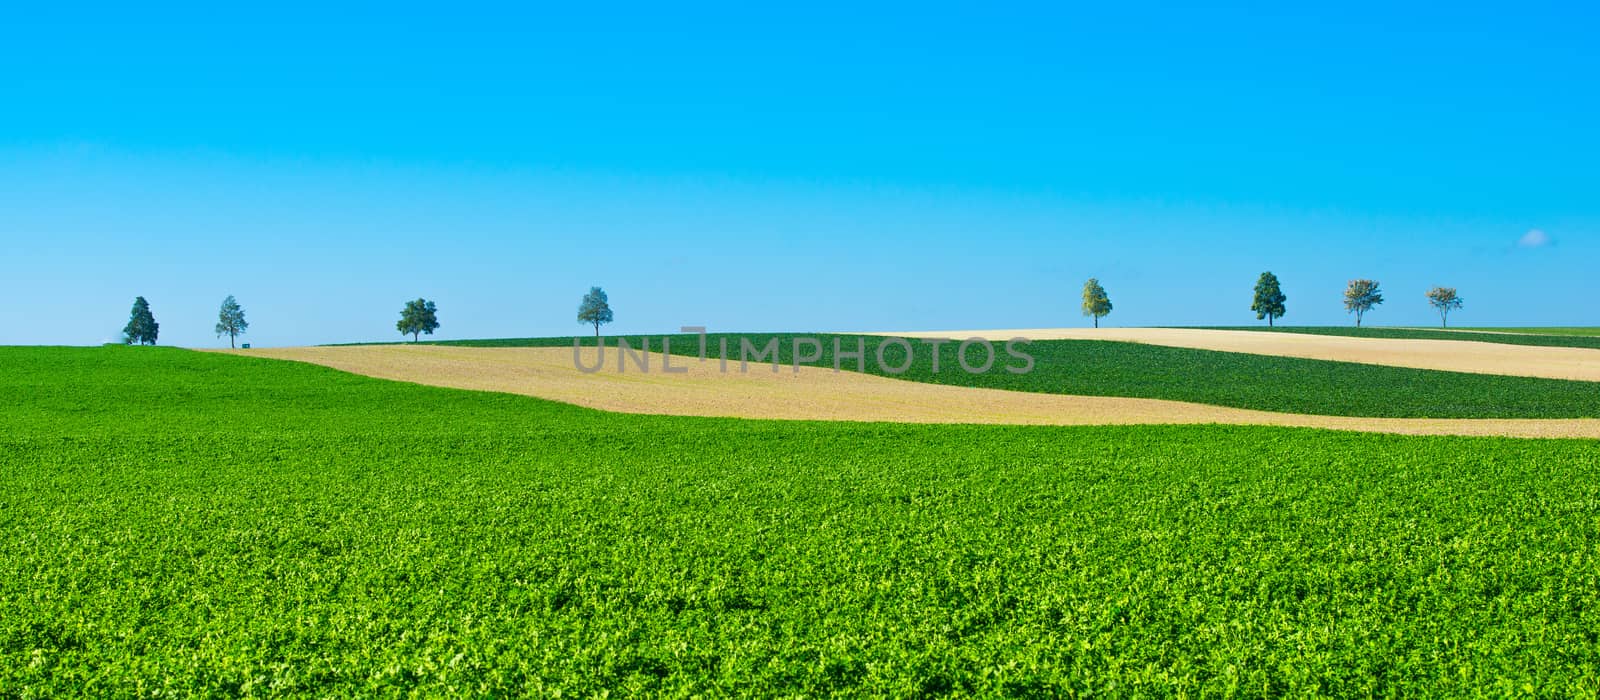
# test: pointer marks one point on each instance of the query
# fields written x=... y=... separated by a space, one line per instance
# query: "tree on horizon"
x=230 y=320
x=1095 y=301
x=1445 y=300
x=1360 y=296
x=1269 y=299
x=419 y=316
x=595 y=309
x=142 y=327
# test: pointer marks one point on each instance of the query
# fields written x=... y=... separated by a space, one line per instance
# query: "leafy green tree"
x=419 y=317
x=230 y=320
x=1095 y=301
x=1445 y=300
x=1269 y=298
x=594 y=309
x=142 y=327
x=1360 y=296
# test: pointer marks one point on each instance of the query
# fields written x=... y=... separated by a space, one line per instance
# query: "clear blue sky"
x=808 y=168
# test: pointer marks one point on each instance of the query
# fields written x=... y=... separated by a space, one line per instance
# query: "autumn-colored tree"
x=1360 y=296
x=1445 y=300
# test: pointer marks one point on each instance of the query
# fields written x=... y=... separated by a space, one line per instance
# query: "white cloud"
x=1534 y=238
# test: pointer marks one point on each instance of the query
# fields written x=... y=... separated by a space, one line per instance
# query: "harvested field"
x=822 y=394
x=1446 y=355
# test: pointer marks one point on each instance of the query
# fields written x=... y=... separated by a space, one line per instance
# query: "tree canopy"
x=1445 y=300
x=419 y=316
x=594 y=309
x=1269 y=299
x=230 y=320
x=142 y=327
x=1095 y=301
x=1360 y=296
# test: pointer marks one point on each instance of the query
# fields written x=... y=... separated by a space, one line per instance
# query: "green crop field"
x=180 y=523
x=1590 y=331
x=1242 y=380
x=1548 y=337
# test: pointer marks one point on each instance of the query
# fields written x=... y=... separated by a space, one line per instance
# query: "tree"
x=1445 y=300
x=1095 y=301
x=142 y=327
x=419 y=317
x=594 y=309
x=1269 y=298
x=230 y=320
x=1360 y=296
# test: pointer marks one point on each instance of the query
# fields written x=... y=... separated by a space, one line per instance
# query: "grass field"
x=1547 y=337
x=187 y=523
x=1240 y=380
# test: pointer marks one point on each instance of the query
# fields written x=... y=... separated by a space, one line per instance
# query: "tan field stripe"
x=1477 y=357
x=822 y=394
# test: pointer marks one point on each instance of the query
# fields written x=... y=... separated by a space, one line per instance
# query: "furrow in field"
x=813 y=393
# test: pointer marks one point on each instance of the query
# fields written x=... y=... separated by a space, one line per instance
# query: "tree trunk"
x=230 y=342
x=1269 y=320
x=1096 y=321
x=597 y=329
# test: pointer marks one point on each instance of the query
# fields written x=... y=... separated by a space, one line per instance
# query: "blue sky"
x=816 y=168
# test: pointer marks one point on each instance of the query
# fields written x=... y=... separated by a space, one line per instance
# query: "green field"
x=1242 y=380
x=1548 y=337
x=1544 y=330
x=182 y=523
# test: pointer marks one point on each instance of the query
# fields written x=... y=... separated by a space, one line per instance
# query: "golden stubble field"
x=813 y=393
